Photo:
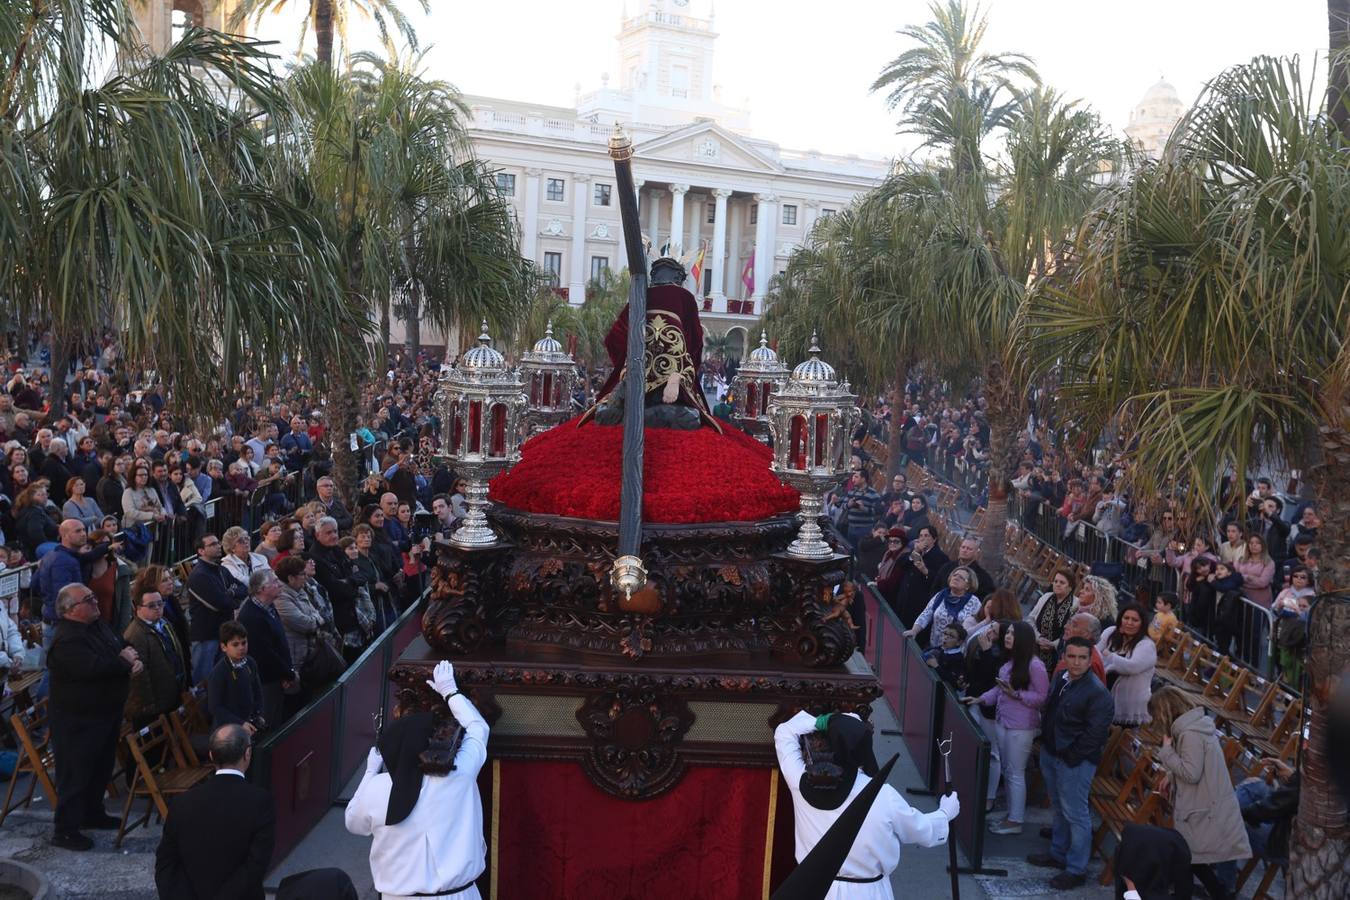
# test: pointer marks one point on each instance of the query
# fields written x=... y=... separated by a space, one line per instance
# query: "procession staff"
x=428 y=829
x=820 y=796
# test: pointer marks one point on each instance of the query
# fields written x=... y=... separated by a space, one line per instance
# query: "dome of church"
x=1160 y=101
x=763 y=353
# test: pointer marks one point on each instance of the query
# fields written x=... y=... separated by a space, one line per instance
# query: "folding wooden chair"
x=1273 y=868
x=182 y=736
x=1140 y=802
x=36 y=758
x=1224 y=687
x=161 y=772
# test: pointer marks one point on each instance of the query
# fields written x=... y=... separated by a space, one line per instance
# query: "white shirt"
x=242 y=570
x=889 y=823
x=440 y=845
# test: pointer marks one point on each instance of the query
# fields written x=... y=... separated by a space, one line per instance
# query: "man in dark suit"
x=267 y=642
x=91 y=669
x=219 y=836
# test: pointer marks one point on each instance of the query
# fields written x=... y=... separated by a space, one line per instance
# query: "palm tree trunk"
x=1319 y=866
x=895 y=443
x=384 y=332
x=1003 y=408
x=413 y=324
x=323 y=30
x=61 y=344
x=1338 y=83
x=342 y=424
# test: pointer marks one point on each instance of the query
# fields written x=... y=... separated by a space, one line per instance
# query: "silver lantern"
x=760 y=376
x=811 y=420
x=482 y=407
x=550 y=376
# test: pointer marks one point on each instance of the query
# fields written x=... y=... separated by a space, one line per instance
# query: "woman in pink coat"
x=1257 y=569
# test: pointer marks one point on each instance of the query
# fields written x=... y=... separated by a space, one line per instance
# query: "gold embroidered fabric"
x=666 y=354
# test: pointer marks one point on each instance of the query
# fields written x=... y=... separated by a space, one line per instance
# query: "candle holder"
x=482 y=405
x=811 y=420
x=760 y=376
x=550 y=376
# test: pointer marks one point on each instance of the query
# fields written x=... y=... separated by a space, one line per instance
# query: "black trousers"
x=1210 y=879
x=86 y=752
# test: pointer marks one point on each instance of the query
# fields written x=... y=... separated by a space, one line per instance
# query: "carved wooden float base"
x=633 y=727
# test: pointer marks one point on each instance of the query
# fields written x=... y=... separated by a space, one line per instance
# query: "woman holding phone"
x=1017 y=697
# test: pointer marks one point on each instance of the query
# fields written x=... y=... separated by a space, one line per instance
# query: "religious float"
x=642 y=601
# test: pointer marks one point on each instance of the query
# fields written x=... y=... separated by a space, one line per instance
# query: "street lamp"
x=482 y=405
x=550 y=376
x=811 y=420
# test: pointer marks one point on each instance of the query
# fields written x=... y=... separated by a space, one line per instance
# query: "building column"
x=677 y=192
x=718 y=253
x=731 y=284
x=764 y=252
x=695 y=230
x=576 y=287
x=529 y=232
x=654 y=220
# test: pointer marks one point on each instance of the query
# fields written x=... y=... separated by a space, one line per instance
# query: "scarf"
x=401 y=745
x=953 y=604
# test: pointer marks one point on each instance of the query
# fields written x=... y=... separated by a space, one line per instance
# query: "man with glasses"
x=159 y=687
x=91 y=668
x=213 y=597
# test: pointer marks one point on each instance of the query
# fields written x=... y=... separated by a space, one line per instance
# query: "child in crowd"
x=1164 y=616
x=950 y=660
x=234 y=690
x=1227 y=605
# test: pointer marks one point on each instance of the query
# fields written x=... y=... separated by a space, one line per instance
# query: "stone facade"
x=1152 y=120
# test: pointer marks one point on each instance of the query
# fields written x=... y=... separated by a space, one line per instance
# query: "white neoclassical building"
x=1153 y=118
x=704 y=182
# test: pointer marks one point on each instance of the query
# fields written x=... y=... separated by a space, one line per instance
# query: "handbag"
x=323 y=665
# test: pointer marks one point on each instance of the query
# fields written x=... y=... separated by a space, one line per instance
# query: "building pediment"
x=708 y=144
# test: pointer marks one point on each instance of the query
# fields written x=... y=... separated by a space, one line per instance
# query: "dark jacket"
x=338 y=511
x=108 y=492
x=1157 y=860
x=55 y=470
x=1278 y=807
x=234 y=696
x=332 y=569
x=267 y=642
x=217 y=842
x=1076 y=719
x=213 y=596
x=35 y=527
x=88 y=677
x=907 y=589
x=60 y=567
x=159 y=687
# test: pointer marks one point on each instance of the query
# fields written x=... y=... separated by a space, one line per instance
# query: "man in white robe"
x=428 y=829
x=890 y=822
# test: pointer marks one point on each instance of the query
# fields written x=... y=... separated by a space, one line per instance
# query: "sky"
x=806 y=66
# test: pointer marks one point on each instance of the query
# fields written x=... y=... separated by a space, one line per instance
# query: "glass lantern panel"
x=475 y=427
x=498 y=430
x=547 y=393
x=536 y=395
x=797 y=443
x=764 y=398
x=751 y=398
x=456 y=429
x=822 y=438
x=559 y=384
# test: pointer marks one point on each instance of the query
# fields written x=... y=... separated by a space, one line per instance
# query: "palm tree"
x=330 y=17
x=930 y=268
x=1338 y=88
x=160 y=205
x=389 y=156
x=1203 y=310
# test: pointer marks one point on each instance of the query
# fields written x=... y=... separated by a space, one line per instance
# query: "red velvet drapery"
x=720 y=834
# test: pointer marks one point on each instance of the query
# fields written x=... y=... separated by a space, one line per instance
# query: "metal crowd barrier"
x=309 y=760
x=928 y=710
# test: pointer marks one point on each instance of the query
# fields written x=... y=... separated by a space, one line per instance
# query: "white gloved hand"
x=443 y=679
x=374 y=761
x=950 y=806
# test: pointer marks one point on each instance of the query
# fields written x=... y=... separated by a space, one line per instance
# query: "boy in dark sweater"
x=234 y=690
x=950 y=661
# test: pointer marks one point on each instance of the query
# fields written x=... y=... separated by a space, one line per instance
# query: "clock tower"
x=666 y=51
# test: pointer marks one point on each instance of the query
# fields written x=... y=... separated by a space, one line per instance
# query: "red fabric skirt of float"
x=722 y=833
x=689 y=476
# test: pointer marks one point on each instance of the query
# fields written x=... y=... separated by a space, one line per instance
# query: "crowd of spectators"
x=221 y=558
